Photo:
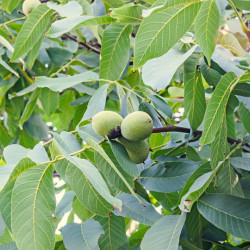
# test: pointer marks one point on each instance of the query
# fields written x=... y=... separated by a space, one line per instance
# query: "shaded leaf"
x=132 y=209
x=226 y=211
x=240 y=162
x=229 y=182
x=245 y=116
x=241 y=4
x=161 y=105
x=195 y=225
x=169 y=177
x=30 y=106
x=36 y=127
x=122 y=157
x=114 y=236
x=82 y=236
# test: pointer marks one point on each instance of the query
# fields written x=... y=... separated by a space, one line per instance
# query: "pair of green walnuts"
x=134 y=128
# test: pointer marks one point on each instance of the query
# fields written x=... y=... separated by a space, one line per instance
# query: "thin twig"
x=89 y=47
x=171 y=128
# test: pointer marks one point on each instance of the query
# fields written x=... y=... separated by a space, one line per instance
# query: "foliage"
x=64 y=186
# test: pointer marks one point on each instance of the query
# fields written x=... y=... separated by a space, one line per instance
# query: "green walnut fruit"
x=137 y=126
x=137 y=150
x=106 y=123
x=29 y=5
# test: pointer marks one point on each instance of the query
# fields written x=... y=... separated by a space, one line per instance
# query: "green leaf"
x=113 y=3
x=115 y=51
x=225 y=212
x=242 y=89
x=84 y=190
x=96 y=103
x=168 y=201
x=241 y=4
x=245 y=77
x=231 y=42
x=59 y=84
x=228 y=181
x=10 y=5
x=154 y=73
x=240 y=162
x=206 y=27
x=33 y=53
x=94 y=145
x=167 y=178
x=161 y=105
x=194 y=93
x=6 y=193
x=30 y=106
x=70 y=9
x=128 y=13
x=33 y=29
x=110 y=174
x=5 y=137
x=65 y=204
x=114 y=236
x=132 y=209
x=155 y=30
x=83 y=213
x=245 y=116
x=36 y=127
x=219 y=147
x=195 y=226
x=211 y=76
x=216 y=107
x=122 y=157
x=86 y=167
x=88 y=132
x=165 y=233
x=9 y=246
x=196 y=190
x=32 y=206
x=68 y=24
x=82 y=236
x=49 y=100
x=5 y=65
x=200 y=171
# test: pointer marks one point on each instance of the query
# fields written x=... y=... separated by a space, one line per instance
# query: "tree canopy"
x=121 y=184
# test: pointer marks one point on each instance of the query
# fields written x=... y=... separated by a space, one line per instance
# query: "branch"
x=89 y=47
x=171 y=128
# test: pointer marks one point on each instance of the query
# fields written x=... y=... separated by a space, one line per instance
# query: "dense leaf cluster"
x=183 y=62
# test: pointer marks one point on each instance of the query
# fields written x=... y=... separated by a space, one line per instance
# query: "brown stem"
x=89 y=47
x=171 y=128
